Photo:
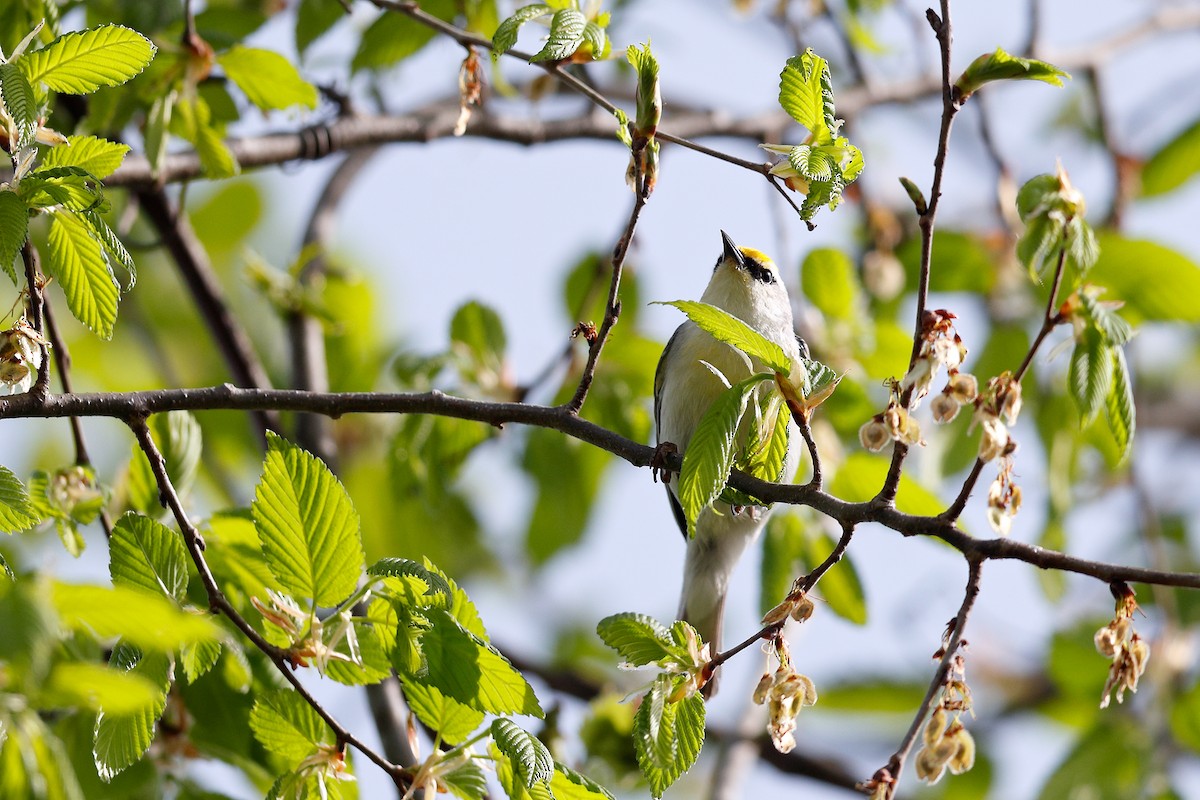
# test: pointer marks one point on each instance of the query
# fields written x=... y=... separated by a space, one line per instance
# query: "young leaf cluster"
x=826 y=163
x=1053 y=212
x=1099 y=374
x=574 y=35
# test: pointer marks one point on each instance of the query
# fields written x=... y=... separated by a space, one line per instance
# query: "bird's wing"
x=677 y=511
x=660 y=378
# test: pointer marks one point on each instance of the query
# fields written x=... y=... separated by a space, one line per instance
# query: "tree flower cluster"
x=20 y=357
x=1128 y=651
x=784 y=693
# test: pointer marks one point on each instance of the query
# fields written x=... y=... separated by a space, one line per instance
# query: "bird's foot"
x=658 y=462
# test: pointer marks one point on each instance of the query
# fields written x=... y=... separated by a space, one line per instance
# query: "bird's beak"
x=732 y=251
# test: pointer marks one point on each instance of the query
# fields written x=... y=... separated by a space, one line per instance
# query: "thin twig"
x=126 y=405
x=896 y=763
x=813 y=453
x=219 y=603
x=613 y=308
x=1050 y=319
x=950 y=106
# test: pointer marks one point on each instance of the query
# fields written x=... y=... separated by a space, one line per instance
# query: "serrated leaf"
x=268 y=79
x=112 y=245
x=567 y=784
x=453 y=720
x=710 y=453
x=639 y=639
x=596 y=40
x=76 y=261
x=806 y=94
x=149 y=556
x=1001 y=66
x=99 y=157
x=70 y=187
x=466 y=781
x=566 y=35
x=531 y=761
x=1082 y=247
x=14 y=230
x=307 y=525
x=1090 y=374
x=667 y=736
x=403 y=567
x=199 y=657
x=82 y=62
x=120 y=740
x=1119 y=404
x=21 y=105
x=506 y=33
x=468 y=669
x=158 y=125
x=16 y=510
x=96 y=687
x=1113 y=328
x=287 y=726
x=151 y=623
x=725 y=327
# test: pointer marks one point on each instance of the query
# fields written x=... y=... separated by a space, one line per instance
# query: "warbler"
x=747 y=284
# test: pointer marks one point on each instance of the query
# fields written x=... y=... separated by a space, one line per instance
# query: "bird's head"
x=746 y=283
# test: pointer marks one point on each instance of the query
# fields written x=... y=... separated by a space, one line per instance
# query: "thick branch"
x=137 y=404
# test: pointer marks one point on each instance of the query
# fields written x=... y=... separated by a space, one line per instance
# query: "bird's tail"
x=710 y=561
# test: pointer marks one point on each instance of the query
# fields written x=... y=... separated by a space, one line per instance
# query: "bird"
x=745 y=283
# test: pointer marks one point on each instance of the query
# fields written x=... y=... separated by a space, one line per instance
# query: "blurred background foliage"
x=495 y=508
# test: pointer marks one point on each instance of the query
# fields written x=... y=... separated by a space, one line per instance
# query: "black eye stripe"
x=759 y=272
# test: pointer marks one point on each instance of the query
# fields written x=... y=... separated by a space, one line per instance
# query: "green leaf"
x=178 y=437
x=806 y=94
x=477 y=339
x=531 y=761
x=567 y=784
x=464 y=667
x=70 y=187
x=830 y=282
x=158 y=124
x=1000 y=66
x=82 y=62
x=639 y=639
x=21 y=105
x=76 y=261
x=121 y=739
x=1174 y=164
x=596 y=39
x=1090 y=373
x=870 y=695
x=403 y=567
x=151 y=623
x=14 y=229
x=1185 y=718
x=307 y=525
x=710 y=453
x=567 y=475
x=1119 y=404
x=99 y=157
x=149 y=556
x=191 y=119
x=453 y=720
x=466 y=781
x=859 y=477
x=667 y=736
x=649 y=93
x=112 y=245
x=1156 y=282
x=16 y=510
x=313 y=19
x=287 y=726
x=725 y=327
x=199 y=657
x=268 y=79
x=96 y=687
x=506 y=33
x=567 y=27
x=393 y=37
